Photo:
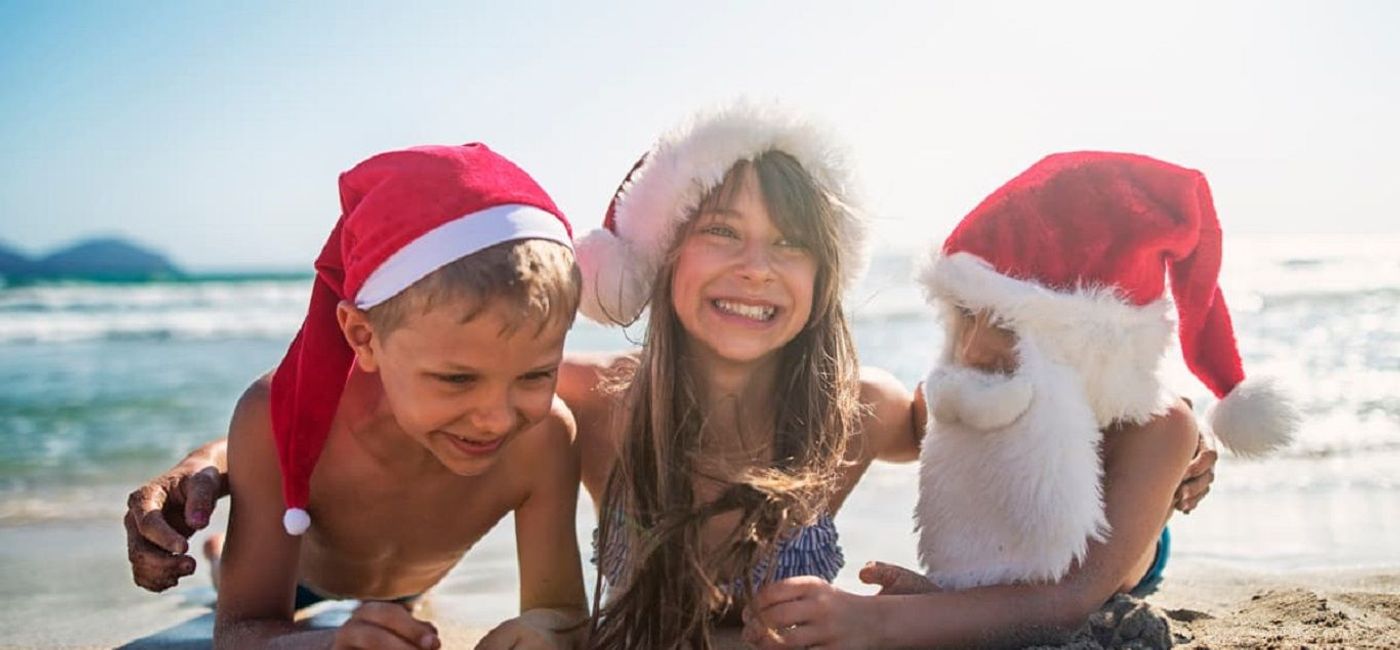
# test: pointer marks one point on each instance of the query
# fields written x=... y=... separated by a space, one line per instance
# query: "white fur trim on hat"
x=1255 y=418
x=690 y=161
x=1117 y=347
x=454 y=240
x=611 y=292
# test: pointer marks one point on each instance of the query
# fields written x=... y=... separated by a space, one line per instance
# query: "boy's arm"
x=259 y=565
x=552 y=602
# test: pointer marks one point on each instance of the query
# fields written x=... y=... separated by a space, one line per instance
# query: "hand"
x=163 y=514
x=1200 y=473
x=385 y=625
x=895 y=580
x=536 y=629
x=806 y=612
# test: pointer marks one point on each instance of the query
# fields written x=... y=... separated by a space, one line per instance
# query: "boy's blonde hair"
x=537 y=279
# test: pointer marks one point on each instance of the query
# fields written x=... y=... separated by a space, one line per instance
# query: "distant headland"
x=102 y=259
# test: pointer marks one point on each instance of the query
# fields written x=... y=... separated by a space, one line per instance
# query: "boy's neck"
x=365 y=414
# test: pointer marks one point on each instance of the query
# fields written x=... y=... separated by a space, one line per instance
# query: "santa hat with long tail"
x=1079 y=252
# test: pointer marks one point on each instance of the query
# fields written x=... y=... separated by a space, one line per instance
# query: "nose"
x=980 y=348
x=756 y=264
x=494 y=415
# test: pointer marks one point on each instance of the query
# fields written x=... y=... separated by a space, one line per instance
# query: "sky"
x=214 y=132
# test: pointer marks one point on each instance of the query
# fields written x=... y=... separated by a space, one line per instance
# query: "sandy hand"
x=162 y=515
x=895 y=580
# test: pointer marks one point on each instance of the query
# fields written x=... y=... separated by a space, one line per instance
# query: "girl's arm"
x=552 y=602
x=584 y=385
x=895 y=417
x=1143 y=465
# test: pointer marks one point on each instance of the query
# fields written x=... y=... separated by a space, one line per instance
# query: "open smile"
x=754 y=312
x=472 y=446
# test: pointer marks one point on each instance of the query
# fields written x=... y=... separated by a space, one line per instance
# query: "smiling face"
x=741 y=288
x=463 y=389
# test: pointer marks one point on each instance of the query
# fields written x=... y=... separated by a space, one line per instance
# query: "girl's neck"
x=738 y=399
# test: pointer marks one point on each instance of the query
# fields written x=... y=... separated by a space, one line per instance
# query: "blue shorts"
x=306 y=598
x=1159 y=562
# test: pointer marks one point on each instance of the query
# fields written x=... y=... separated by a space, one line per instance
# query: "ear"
x=359 y=334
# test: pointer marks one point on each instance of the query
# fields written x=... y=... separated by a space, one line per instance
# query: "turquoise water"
x=102 y=386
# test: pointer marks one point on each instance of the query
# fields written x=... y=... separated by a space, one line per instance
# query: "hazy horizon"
x=214 y=134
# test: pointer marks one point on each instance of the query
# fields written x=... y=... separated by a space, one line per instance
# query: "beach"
x=105 y=386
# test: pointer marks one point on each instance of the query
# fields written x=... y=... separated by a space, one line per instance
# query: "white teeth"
x=752 y=312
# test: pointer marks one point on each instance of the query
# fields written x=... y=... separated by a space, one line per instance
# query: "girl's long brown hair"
x=672 y=588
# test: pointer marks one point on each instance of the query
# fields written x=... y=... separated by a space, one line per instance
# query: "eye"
x=720 y=230
x=538 y=376
x=456 y=379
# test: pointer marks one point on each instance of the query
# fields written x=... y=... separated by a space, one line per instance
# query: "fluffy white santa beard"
x=1010 y=477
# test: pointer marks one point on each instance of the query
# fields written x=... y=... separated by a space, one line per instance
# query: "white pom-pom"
x=296 y=521
x=615 y=286
x=1256 y=418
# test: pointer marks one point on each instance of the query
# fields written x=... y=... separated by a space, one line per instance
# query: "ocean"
x=104 y=385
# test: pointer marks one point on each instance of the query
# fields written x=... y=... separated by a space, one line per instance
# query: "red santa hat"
x=1076 y=252
x=662 y=191
x=404 y=214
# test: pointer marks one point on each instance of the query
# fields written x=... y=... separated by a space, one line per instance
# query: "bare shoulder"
x=585 y=377
x=252 y=415
x=1177 y=420
x=881 y=390
x=556 y=432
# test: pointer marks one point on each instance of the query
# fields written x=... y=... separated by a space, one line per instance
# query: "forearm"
x=214 y=452
x=987 y=617
x=569 y=625
x=273 y=634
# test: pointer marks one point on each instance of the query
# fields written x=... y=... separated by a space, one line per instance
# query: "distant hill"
x=12 y=262
x=101 y=259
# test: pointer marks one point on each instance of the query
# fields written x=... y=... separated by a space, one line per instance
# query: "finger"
x=397 y=619
x=789 y=614
x=802 y=636
x=894 y=580
x=359 y=633
x=1195 y=500
x=500 y=638
x=201 y=490
x=1201 y=463
x=785 y=590
x=152 y=567
x=145 y=505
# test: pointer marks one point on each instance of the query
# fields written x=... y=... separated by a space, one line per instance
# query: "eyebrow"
x=454 y=367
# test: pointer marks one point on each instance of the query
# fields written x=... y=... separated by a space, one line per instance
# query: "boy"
x=414 y=410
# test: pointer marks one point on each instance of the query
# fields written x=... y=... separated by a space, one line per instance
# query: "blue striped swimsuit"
x=810 y=551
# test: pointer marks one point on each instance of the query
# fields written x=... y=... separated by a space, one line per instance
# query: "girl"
x=719 y=452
